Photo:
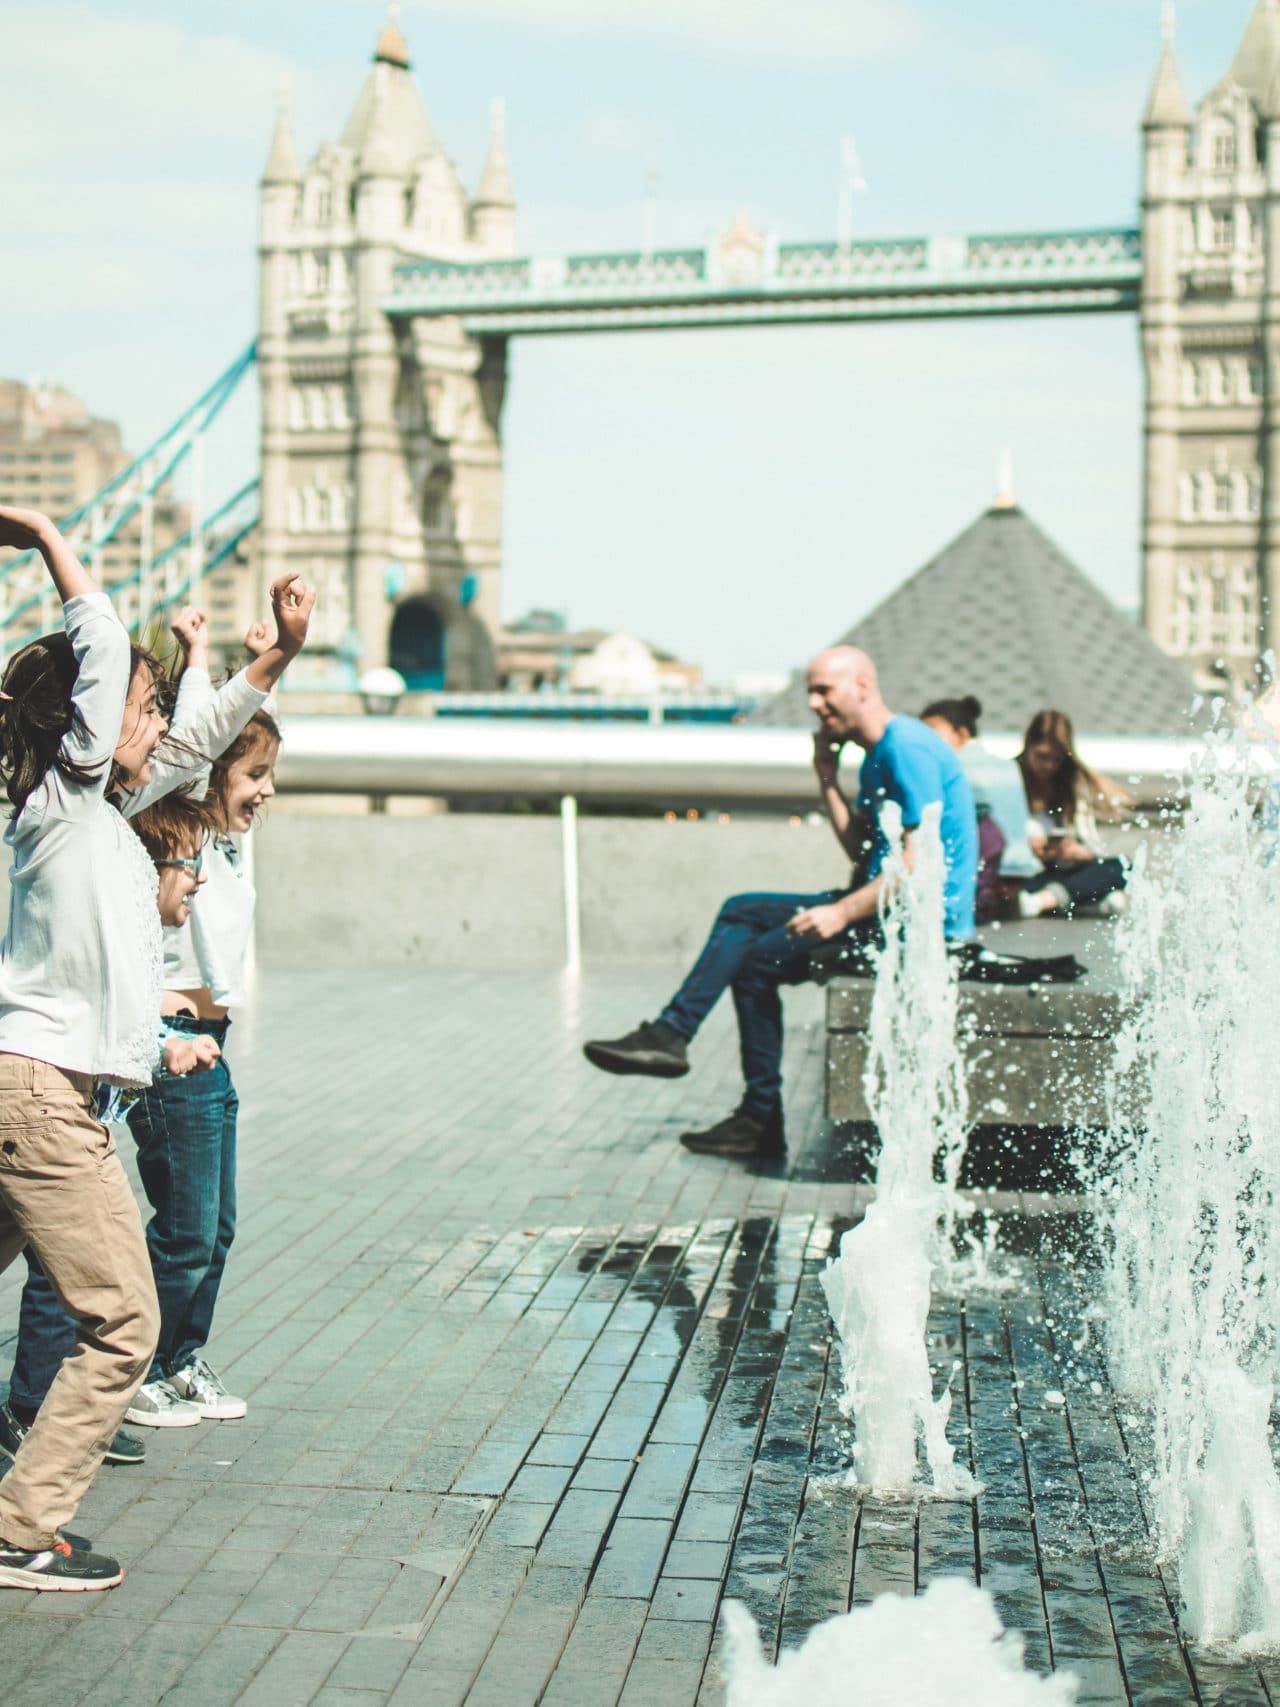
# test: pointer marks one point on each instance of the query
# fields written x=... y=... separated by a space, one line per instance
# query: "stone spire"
x=283 y=165
x=392 y=48
x=1257 y=61
x=380 y=155
x=1167 y=109
x=495 y=188
x=388 y=127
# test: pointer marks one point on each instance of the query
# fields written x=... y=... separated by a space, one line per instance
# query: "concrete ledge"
x=1034 y=1056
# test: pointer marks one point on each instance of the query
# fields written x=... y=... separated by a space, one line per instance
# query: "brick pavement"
x=531 y=1389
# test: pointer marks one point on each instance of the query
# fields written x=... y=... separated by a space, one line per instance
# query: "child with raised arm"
x=186 y=1132
x=80 y=985
x=173 y=831
x=204 y=723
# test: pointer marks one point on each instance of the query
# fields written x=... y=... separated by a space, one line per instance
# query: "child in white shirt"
x=80 y=988
x=186 y=1132
x=80 y=984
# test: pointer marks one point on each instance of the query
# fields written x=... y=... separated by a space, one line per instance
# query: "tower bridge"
x=389 y=295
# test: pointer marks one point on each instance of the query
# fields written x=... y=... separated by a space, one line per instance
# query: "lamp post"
x=381 y=690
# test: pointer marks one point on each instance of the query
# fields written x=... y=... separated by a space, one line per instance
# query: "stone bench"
x=1035 y=1055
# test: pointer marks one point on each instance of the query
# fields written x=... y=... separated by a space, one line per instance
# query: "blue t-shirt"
x=913 y=766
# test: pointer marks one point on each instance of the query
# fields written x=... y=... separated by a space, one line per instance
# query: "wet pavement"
x=532 y=1389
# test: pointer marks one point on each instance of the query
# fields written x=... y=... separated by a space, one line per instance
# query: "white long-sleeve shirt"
x=81 y=961
x=80 y=965
x=208 y=952
x=205 y=723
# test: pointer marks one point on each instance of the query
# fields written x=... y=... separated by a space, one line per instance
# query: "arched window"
x=417 y=645
x=1184 y=611
x=1242 y=620
x=1223 y=152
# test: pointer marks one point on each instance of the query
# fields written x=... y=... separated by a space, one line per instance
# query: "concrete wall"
x=651 y=889
x=467 y=889
x=450 y=890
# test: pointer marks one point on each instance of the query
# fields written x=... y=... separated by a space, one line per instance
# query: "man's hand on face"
x=826 y=755
x=819 y=924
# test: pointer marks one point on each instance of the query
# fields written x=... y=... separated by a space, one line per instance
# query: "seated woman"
x=1063 y=798
x=999 y=796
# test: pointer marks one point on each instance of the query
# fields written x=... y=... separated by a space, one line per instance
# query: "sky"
x=741 y=497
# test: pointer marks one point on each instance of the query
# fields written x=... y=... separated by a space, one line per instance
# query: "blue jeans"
x=46 y=1338
x=1085 y=883
x=186 y=1135
x=185 y=1130
x=751 y=952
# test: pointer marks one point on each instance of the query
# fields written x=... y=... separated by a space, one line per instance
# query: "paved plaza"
x=531 y=1390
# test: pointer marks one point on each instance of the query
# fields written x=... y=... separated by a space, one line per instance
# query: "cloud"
x=142 y=88
x=812 y=32
x=1099 y=109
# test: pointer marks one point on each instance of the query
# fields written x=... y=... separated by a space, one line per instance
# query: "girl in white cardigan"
x=80 y=987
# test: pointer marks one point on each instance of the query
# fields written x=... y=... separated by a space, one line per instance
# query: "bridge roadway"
x=531 y=1389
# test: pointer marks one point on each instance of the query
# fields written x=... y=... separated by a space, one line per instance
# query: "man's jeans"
x=186 y=1135
x=751 y=952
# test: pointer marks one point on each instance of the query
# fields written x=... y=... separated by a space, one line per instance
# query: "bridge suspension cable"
x=162 y=578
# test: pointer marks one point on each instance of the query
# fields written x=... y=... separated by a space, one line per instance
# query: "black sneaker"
x=740 y=1134
x=126 y=1448
x=61 y=1566
x=652 y=1048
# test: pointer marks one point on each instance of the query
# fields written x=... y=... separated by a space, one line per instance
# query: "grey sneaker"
x=158 y=1405
x=196 y=1382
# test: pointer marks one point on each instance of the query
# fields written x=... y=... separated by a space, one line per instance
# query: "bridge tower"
x=381 y=446
x=1210 y=322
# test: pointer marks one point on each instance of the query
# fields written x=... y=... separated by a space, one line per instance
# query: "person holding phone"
x=1064 y=798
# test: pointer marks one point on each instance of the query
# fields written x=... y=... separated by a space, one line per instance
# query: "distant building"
x=1211 y=345
x=1003 y=613
x=541 y=651
x=55 y=455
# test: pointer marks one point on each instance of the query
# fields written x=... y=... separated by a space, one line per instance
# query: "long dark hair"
x=1073 y=783
x=39 y=714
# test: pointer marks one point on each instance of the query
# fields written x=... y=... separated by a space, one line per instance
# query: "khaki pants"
x=63 y=1191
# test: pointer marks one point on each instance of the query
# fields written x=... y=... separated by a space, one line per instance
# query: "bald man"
x=761 y=942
